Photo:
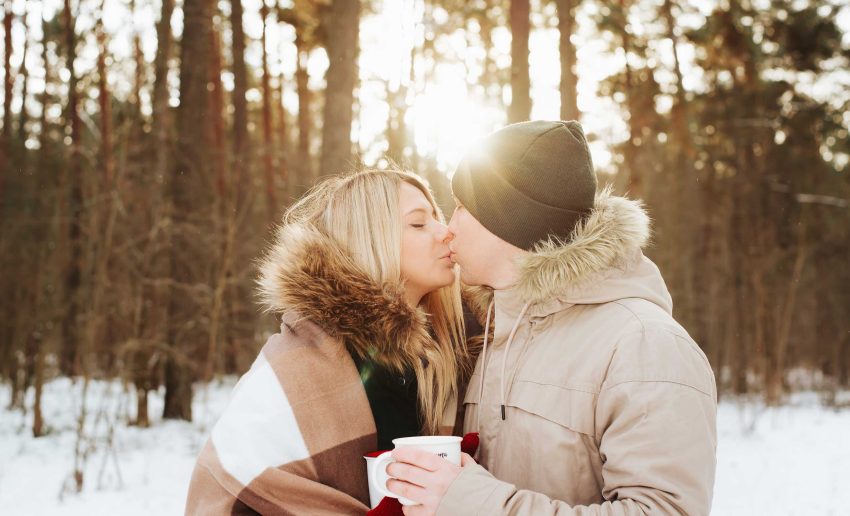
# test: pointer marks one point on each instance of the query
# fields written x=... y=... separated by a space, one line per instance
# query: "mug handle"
x=379 y=473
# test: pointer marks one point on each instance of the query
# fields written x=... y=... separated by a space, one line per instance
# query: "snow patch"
x=789 y=460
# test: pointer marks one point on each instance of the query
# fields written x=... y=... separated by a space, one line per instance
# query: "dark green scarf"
x=393 y=400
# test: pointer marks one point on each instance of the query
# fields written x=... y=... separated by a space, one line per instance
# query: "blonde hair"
x=360 y=212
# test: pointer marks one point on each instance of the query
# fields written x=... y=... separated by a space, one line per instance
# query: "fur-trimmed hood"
x=584 y=351
x=307 y=273
x=602 y=262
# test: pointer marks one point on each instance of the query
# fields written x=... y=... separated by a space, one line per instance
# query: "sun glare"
x=446 y=120
x=447 y=108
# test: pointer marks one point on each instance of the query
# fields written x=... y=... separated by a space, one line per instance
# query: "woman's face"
x=425 y=257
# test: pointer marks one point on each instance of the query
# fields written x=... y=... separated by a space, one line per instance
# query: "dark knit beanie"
x=528 y=182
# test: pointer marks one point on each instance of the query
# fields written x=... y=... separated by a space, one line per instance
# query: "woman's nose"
x=443 y=233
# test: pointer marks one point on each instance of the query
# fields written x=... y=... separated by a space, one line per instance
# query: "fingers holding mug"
x=380 y=478
x=417 y=462
x=407 y=473
x=406 y=491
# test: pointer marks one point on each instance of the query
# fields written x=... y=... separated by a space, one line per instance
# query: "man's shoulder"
x=641 y=342
x=608 y=322
x=660 y=352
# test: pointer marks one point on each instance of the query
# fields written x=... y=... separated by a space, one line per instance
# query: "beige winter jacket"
x=609 y=405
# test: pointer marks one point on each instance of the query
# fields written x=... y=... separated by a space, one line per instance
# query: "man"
x=591 y=399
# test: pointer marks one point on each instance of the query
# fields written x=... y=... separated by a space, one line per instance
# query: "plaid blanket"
x=292 y=439
x=293 y=436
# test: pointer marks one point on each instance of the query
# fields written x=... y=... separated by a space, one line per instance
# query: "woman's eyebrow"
x=423 y=210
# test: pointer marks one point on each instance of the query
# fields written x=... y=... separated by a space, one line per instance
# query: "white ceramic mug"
x=374 y=496
x=446 y=446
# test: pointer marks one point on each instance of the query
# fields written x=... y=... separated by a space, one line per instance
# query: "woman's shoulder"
x=301 y=339
x=301 y=363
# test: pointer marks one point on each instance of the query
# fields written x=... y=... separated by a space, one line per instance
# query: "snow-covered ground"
x=793 y=460
x=144 y=472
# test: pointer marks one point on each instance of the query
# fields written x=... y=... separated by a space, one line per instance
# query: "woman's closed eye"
x=421 y=222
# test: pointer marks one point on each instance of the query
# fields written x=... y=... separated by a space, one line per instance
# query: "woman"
x=370 y=349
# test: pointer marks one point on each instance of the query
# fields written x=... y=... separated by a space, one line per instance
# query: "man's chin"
x=467 y=279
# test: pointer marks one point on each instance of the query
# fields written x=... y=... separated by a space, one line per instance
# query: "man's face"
x=477 y=251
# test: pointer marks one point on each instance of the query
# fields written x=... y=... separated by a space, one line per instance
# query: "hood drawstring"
x=505 y=356
x=484 y=363
x=504 y=391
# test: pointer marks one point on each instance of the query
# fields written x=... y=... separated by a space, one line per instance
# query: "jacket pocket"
x=472 y=390
x=570 y=408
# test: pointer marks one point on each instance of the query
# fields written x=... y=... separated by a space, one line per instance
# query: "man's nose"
x=443 y=234
x=451 y=225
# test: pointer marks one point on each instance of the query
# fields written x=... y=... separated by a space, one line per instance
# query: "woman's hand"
x=423 y=477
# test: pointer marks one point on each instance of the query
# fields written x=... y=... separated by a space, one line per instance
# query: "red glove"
x=469 y=444
x=387 y=507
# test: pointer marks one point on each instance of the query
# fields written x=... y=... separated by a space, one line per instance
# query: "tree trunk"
x=139 y=71
x=680 y=111
x=757 y=239
x=740 y=306
x=842 y=359
x=23 y=117
x=154 y=319
x=219 y=150
x=43 y=134
x=142 y=417
x=70 y=342
x=38 y=429
x=8 y=83
x=282 y=132
x=225 y=223
x=569 y=80
x=5 y=140
x=685 y=197
x=178 y=391
x=396 y=131
x=268 y=165
x=632 y=173
x=105 y=102
x=282 y=139
x=237 y=292
x=191 y=196
x=776 y=367
x=305 y=125
x=19 y=296
x=492 y=77
x=520 y=108
x=241 y=153
x=101 y=215
x=343 y=28
x=161 y=110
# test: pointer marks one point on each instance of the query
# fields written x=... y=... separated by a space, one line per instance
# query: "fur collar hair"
x=308 y=273
x=612 y=234
x=610 y=237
